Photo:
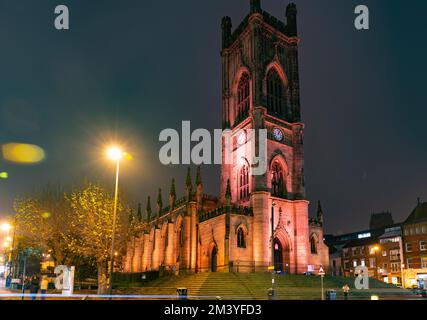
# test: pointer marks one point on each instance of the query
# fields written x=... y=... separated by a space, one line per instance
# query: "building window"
x=241 y=243
x=394 y=267
x=423 y=262
x=408 y=247
x=313 y=245
x=355 y=263
x=345 y=253
x=362 y=262
x=394 y=255
x=243 y=97
x=410 y=263
x=278 y=186
x=181 y=236
x=276 y=100
x=346 y=264
x=423 y=245
x=355 y=251
x=384 y=253
x=371 y=262
x=244 y=183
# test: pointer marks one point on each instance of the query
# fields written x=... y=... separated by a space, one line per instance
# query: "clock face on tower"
x=277 y=134
x=241 y=139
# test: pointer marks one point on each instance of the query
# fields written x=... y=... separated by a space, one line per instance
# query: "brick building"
x=394 y=254
x=415 y=246
x=199 y=233
x=390 y=255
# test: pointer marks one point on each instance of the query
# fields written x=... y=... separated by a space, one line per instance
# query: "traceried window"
x=181 y=236
x=243 y=97
x=241 y=243
x=313 y=245
x=276 y=101
x=278 y=186
x=244 y=183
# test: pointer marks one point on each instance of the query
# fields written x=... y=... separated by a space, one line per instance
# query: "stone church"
x=233 y=232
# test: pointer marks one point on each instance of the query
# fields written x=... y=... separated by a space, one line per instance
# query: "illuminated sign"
x=364 y=235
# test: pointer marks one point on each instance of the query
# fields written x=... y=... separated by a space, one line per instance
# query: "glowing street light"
x=6 y=227
x=115 y=154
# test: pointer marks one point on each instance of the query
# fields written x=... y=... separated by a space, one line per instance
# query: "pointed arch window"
x=241 y=241
x=181 y=236
x=276 y=100
x=313 y=245
x=278 y=185
x=243 y=97
x=244 y=183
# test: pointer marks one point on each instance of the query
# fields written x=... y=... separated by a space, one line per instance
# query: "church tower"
x=260 y=90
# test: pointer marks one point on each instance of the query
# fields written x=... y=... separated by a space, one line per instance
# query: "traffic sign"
x=321 y=272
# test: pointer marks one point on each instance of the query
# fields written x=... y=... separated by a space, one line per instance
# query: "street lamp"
x=114 y=154
x=273 y=271
x=6 y=227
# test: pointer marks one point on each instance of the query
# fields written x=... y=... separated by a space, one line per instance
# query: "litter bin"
x=331 y=295
x=182 y=293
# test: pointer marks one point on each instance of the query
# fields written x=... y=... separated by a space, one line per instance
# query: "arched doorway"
x=278 y=255
x=214 y=259
x=281 y=257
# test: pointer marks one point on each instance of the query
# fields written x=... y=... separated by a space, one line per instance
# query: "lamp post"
x=273 y=291
x=116 y=155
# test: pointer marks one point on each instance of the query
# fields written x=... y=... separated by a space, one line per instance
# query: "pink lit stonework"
x=232 y=233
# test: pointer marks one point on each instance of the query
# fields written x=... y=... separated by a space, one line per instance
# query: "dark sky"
x=128 y=69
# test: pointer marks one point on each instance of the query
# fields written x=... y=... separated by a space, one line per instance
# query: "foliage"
x=75 y=227
x=45 y=221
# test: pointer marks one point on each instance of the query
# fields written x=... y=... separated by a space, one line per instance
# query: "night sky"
x=128 y=69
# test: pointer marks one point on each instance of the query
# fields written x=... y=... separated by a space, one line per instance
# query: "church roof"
x=419 y=214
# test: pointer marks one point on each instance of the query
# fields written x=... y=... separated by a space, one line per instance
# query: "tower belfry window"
x=243 y=97
x=276 y=101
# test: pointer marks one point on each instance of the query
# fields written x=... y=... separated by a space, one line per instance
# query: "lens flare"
x=23 y=153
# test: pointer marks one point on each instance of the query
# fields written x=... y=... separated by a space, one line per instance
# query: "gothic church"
x=232 y=233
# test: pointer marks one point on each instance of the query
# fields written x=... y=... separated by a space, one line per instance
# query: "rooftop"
x=419 y=214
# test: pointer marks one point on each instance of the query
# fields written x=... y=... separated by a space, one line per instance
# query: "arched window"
x=244 y=183
x=278 y=185
x=243 y=97
x=241 y=243
x=276 y=100
x=181 y=236
x=313 y=245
